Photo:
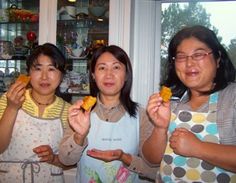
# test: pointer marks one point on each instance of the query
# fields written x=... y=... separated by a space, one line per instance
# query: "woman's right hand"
x=159 y=111
x=79 y=119
x=16 y=95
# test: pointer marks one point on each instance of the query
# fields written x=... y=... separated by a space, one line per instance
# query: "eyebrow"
x=38 y=64
x=198 y=49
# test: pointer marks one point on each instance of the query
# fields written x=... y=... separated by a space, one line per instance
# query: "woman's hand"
x=79 y=119
x=184 y=142
x=159 y=111
x=107 y=155
x=45 y=153
x=16 y=95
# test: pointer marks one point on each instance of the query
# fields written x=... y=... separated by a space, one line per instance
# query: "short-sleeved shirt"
x=51 y=111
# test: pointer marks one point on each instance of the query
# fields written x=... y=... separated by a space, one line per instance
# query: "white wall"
x=146 y=49
x=135 y=26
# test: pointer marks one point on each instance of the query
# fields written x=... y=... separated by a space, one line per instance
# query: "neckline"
x=41 y=104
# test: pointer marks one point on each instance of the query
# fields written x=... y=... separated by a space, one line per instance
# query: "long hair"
x=125 y=99
x=225 y=72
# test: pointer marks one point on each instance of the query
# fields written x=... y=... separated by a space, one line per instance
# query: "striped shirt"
x=58 y=109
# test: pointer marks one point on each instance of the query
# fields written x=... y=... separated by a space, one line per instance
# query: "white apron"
x=103 y=135
x=19 y=163
x=180 y=169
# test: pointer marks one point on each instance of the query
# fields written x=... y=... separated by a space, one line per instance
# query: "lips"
x=192 y=73
x=44 y=85
x=108 y=84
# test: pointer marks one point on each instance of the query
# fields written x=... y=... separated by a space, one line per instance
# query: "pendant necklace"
x=39 y=103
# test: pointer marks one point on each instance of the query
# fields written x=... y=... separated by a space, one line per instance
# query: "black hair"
x=225 y=72
x=50 y=50
x=54 y=53
x=129 y=105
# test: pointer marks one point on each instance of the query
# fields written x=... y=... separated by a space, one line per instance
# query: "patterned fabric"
x=109 y=136
x=226 y=113
x=19 y=163
x=176 y=168
x=51 y=111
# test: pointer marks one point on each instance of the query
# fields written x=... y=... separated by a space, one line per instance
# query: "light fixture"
x=72 y=1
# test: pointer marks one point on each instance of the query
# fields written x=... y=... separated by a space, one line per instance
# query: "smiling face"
x=45 y=78
x=109 y=75
x=196 y=75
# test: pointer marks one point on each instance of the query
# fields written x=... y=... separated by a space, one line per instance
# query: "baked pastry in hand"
x=88 y=102
x=23 y=78
x=165 y=93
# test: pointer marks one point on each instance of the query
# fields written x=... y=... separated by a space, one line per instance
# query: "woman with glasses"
x=194 y=138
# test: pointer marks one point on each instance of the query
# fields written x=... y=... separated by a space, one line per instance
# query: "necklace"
x=39 y=103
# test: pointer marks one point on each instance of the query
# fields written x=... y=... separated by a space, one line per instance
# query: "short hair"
x=56 y=56
x=119 y=54
x=224 y=74
x=50 y=50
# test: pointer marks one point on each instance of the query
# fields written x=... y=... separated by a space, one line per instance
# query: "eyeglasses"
x=195 y=56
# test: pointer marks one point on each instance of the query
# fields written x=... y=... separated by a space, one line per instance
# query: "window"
x=216 y=15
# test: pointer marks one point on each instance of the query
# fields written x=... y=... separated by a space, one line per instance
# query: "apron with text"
x=176 y=168
x=103 y=135
x=19 y=163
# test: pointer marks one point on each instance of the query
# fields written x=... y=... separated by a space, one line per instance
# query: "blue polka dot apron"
x=103 y=135
x=18 y=163
x=179 y=169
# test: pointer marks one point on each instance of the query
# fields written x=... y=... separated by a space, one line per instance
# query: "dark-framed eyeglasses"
x=198 y=56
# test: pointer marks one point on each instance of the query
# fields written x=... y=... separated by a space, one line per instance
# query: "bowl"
x=97 y=11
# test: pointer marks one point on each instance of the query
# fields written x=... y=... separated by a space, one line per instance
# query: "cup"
x=71 y=10
x=77 y=52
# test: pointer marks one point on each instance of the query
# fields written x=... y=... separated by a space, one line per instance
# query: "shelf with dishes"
x=76 y=79
x=9 y=70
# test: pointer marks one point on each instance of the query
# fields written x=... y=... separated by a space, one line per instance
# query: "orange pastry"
x=23 y=78
x=165 y=93
x=89 y=101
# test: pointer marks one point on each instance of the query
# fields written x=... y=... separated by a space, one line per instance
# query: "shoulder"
x=3 y=98
x=228 y=94
x=61 y=102
x=141 y=112
x=3 y=103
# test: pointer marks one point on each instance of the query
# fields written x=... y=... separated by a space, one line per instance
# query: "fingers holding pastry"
x=165 y=93
x=88 y=102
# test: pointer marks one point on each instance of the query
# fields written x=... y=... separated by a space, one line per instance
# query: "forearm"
x=223 y=156
x=154 y=147
x=56 y=162
x=69 y=151
x=138 y=165
x=6 y=127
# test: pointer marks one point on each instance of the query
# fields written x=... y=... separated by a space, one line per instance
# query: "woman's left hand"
x=45 y=153
x=107 y=155
x=184 y=142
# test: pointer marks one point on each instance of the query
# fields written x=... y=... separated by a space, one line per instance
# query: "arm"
x=46 y=154
x=74 y=141
x=220 y=155
x=159 y=113
x=15 y=98
x=132 y=162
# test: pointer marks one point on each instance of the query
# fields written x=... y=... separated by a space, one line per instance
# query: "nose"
x=189 y=61
x=109 y=72
x=44 y=74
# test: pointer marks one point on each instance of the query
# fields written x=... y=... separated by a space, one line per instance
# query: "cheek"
x=122 y=78
x=179 y=71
